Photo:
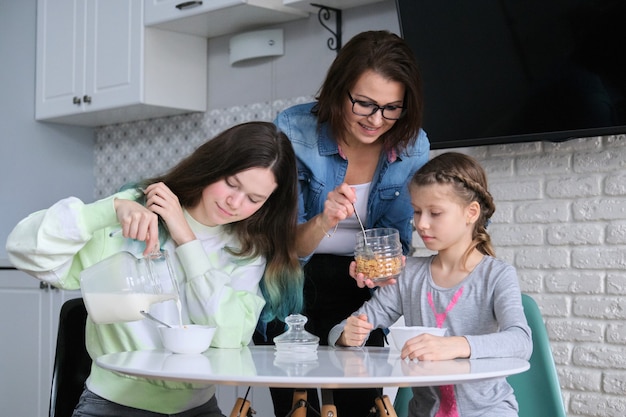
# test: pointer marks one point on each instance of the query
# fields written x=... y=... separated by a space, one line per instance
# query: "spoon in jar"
x=151 y=317
x=356 y=214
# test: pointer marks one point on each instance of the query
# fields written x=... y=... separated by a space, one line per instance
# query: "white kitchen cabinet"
x=210 y=18
x=335 y=4
x=97 y=64
x=30 y=319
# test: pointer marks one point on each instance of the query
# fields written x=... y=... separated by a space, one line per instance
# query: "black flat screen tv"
x=507 y=71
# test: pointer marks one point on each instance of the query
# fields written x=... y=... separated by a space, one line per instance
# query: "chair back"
x=72 y=363
x=537 y=390
x=401 y=402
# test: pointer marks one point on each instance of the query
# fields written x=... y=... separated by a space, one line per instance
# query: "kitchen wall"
x=39 y=162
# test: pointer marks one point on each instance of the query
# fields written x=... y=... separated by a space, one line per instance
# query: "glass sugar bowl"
x=296 y=341
x=378 y=254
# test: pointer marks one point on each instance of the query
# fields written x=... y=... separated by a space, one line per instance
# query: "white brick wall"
x=561 y=220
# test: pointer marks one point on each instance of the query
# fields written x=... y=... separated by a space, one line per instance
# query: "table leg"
x=329 y=410
x=241 y=408
x=385 y=408
x=299 y=403
x=383 y=404
x=328 y=404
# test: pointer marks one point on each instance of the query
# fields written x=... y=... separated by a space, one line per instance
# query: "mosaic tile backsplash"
x=131 y=151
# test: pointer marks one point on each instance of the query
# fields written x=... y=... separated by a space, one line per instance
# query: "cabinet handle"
x=76 y=100
x=188 y=5
x=44 y=285
x=87 y=99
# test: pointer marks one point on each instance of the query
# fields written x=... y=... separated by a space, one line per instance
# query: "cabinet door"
x=114 y=54
x=213 y=18
x=60 y=57
x=158 y=11
x=29 y=324
x=26 y=370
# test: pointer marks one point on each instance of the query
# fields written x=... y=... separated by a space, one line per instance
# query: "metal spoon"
x=356 y=214
x=151 y=317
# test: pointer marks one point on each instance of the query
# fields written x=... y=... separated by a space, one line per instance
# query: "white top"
x=327 y=368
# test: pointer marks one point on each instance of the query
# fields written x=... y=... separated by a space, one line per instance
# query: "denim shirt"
x=321 y=169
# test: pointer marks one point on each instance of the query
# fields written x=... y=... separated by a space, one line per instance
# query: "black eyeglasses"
x=367 y=108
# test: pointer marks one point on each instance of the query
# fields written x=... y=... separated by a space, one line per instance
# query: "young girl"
x=227 y=215
x=463 y=288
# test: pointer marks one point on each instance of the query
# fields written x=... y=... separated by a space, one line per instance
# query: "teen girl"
x=227 y=214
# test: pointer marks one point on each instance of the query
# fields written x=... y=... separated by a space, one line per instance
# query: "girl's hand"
x=362 y=281
x=427 y=347
x=162 y=201
x=138 y=223
x=356 y=331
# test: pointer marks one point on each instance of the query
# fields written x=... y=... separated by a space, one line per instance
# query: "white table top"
x=328 y=368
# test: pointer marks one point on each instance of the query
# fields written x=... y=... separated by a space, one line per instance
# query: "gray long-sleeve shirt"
x=488 y=313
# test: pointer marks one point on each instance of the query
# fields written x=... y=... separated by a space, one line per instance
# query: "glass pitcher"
x=119 y=287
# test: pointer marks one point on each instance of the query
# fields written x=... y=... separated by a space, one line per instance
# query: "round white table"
x=327 y=368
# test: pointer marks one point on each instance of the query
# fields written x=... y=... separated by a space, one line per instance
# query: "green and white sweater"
x=56 y=244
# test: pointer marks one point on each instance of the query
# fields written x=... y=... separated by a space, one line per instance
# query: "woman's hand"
x=338 y=206
x=162 y=201
x=356 y=331
x=427 y=347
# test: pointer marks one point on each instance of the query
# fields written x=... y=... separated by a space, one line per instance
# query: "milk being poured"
x=180 y=311
x=107 y=308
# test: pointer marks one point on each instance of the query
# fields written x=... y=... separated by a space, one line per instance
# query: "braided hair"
x=469 y=182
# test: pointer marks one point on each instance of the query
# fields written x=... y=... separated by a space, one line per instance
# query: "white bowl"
x=400 y=334
x=190 y=338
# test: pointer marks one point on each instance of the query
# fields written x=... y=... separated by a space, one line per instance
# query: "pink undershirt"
x=447 y=403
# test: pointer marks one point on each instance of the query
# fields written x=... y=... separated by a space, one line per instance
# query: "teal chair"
x=401 y=402
x=537 y=390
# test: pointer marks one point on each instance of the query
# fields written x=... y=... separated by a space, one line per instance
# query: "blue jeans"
x=92 y=405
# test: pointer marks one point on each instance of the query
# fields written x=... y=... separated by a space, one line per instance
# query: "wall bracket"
x=323 y=15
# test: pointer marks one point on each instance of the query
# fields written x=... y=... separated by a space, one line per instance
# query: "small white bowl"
x=400 y=334
x=189 y=338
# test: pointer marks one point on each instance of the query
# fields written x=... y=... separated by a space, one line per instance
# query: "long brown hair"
x=391 y=57
x=271 y=231
x=469 y=182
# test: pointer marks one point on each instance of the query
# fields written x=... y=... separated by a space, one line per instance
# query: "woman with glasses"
x=357 y=147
